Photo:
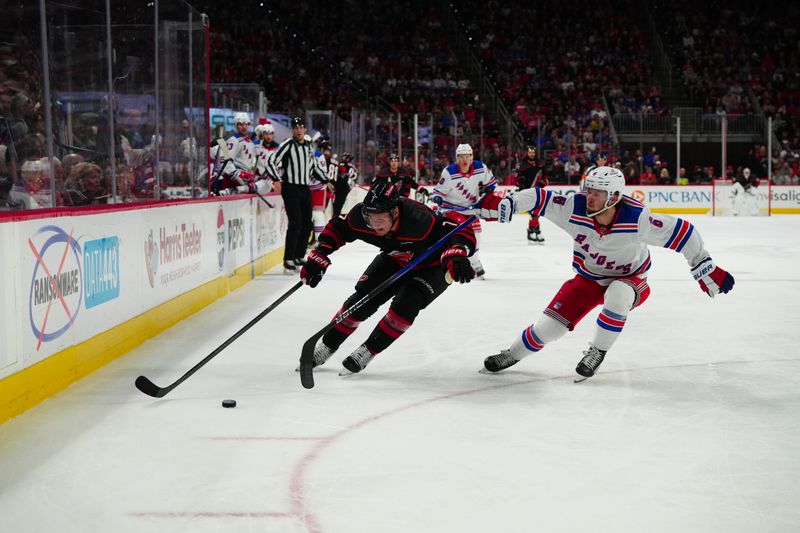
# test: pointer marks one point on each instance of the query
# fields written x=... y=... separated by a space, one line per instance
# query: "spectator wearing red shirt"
x=648 y=177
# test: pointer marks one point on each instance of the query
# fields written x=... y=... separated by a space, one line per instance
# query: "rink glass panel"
x=94 y=100
x=24 y=166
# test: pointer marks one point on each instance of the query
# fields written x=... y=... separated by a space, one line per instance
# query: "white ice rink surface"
x=691 y=425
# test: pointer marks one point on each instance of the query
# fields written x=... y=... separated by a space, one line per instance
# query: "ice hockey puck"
x=228 y=403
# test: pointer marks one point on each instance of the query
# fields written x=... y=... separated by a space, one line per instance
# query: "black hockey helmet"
x=381 y=198
x=394 y=157
x=324 y=144
x=298 y=121
x=347 y=157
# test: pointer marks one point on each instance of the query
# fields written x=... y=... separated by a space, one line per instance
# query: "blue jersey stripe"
x=614 y=315
x=608 y=327
x=685 y=238
x=584 y=224
x=675 y=232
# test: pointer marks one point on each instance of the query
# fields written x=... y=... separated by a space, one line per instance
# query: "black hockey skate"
x=589 y=364
x=289 y=267
x=356 y=361
x=535 y=236
x=498 y=362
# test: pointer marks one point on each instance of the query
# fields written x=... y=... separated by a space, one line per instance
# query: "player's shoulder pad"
x=632 y=201
x=452 y=168
x=629 y=210
x=579 y=204
x=416 y=220
x=477 y=165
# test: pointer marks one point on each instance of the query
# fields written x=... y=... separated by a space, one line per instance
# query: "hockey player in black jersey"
x=530 y=173
x=397 y=175
x=401 y=228
x=345 y=180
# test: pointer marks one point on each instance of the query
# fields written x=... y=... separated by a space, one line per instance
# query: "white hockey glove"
x=493 y=207
x=505 y=210
x=712 y=279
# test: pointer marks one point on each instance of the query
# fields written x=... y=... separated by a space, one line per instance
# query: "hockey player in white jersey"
x=240 y=168
x=611 y=232
x=462 y=186
x=265 y=146
x=320 y=191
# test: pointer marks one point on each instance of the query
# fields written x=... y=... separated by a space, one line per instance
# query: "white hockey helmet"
x=263 y=129
x=241 y=118
x=608 y=179
x=463 y=149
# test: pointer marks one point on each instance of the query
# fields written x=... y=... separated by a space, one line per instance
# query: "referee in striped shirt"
x=296 y=156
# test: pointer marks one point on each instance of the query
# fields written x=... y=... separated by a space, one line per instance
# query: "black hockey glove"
x=455 y=262
x=316 y=265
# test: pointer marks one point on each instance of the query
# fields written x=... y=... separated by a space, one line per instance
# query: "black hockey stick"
x=307 y=354
x=263 y=199
x=151 y=389
x=244 y=189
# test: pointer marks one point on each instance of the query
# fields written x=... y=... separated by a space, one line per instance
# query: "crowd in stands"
x=733 y=61
x=307 y=56
x=80 y=172
x=552 y=73
x=398 y=58
x=21 y=120
x=717 y=67
x=394 y=56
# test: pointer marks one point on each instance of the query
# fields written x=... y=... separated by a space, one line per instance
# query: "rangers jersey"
x=330 y=168
x=263 y=153
x=243 y=155
x=606 y=253
x=456 y=190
